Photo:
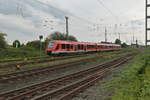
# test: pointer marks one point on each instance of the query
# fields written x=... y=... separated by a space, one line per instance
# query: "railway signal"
x=40 y=37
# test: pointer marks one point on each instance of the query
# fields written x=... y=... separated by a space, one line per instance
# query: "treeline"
x=123 y=45
x=36 y=43
x=31 y=48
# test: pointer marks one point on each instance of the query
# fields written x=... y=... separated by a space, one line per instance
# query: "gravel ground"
x=101 y=91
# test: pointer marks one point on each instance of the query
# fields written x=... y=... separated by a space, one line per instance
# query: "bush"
x=16 y=44
x=60 y=36
x=21 y=52
x=134 y=84
x=2 y=40
x=36 y=44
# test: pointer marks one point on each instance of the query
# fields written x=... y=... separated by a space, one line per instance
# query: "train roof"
x=74 y=42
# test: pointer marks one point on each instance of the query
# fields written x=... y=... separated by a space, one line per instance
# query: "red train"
x=59 y=47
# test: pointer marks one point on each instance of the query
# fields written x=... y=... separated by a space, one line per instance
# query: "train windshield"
x=51 y=44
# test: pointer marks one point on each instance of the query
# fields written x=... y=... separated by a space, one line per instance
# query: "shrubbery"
x=21 y=52
x=36 y=44
x=134 y=84
x=3 y=42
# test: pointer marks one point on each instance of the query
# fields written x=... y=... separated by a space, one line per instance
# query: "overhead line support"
x=146 y=23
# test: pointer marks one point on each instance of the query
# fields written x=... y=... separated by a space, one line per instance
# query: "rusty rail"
x=19 y=75
x=67 y=92
x=42 y=60
x=28 y=92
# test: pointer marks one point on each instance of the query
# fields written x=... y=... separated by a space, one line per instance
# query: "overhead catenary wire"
x=19 y=9
x=91 y=23
x=114 y=15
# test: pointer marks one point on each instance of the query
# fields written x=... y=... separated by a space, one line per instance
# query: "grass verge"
x=134 y=82
x=11 y=53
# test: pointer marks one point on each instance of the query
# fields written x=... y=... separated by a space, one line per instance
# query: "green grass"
x=11 y=53
x=103 y=56
x=134 y=82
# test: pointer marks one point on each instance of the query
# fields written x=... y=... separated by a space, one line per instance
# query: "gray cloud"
x=25 y=18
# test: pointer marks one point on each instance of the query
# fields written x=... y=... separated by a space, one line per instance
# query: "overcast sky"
x=25 y=20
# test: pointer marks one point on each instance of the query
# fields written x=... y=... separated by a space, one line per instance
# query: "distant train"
x=61 y=47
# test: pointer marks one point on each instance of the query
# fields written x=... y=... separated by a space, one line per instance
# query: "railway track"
x=43 y=60
x=65 y=87
x=46 y=70
x=14 y=60
x=39 y=58
x=23 y=62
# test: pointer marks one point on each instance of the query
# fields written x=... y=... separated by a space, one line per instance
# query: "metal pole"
x=146 y=24
x=119 y=35
x=40 y=47
x=105 y=34
x=67 y=31
x=40 y=37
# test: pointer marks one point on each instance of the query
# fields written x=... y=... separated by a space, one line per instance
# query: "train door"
x=68 y=47
x=76 y=47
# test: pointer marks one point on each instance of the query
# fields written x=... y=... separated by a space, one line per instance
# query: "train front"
x=50 y=48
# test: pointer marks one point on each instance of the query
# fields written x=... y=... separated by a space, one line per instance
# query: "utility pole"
x=146 y=23
x=105 y=34
x=136 y=43
x=67 y=31
x=119 y=35
x=132 y=25
x=133 y=39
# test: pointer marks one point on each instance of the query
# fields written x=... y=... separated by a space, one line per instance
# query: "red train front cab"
x=50 y=47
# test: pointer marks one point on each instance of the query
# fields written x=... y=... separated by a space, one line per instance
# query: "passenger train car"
x=59 y=47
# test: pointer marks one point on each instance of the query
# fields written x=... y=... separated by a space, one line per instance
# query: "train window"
x=82 y=47
x=68 y=46
x=91 y=46
x=71 y=46
x=50 y=45
x=57 y=47
x=63 y=46
x=79 y=46
x=76 y=47
x=88 y=46
x=94 y=46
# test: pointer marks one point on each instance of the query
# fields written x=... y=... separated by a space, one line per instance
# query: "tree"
x=16 y=44
x=72 y=38
x=117 y=41
x=124 y=45
x=60 y=36
x=36 y=44
x=3 y=42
